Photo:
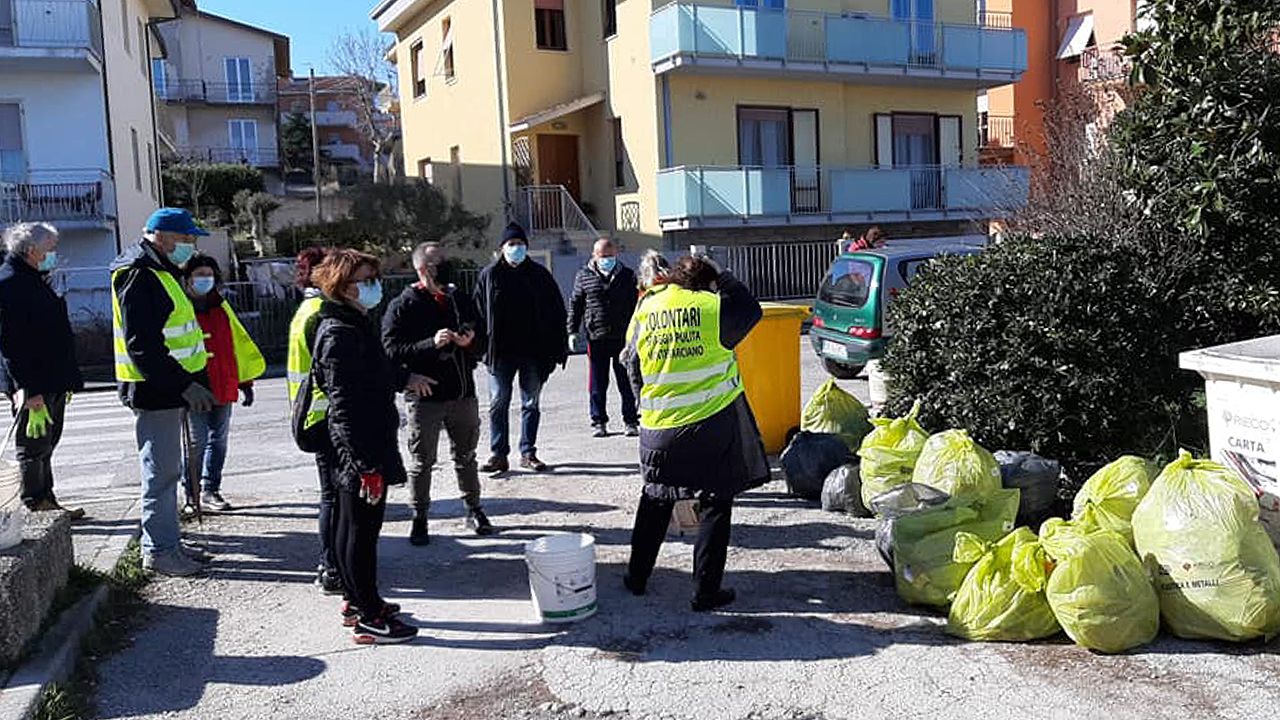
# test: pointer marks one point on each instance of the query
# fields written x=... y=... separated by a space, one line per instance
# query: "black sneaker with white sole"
x=351 y=613
x=385 y=629
x=329 y=582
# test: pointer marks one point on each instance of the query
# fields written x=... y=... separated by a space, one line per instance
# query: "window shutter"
x=884 y=140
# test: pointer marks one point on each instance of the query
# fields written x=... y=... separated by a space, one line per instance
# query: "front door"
x=558 y=162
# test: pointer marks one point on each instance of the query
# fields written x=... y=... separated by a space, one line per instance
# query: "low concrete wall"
x=31 y=574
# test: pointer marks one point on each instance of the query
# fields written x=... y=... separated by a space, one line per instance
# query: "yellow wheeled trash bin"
x=769 y=359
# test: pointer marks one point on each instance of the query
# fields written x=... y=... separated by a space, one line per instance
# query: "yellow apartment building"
x=666 y=124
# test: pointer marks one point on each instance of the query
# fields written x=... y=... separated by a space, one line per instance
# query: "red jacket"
x=224 y=373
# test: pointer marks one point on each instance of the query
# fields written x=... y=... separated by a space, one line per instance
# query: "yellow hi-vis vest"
x=182 y=334
x=298 y=365
x=249 y=361
x=688 y=375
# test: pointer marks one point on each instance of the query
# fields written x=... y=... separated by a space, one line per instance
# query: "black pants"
x=603 y=355
x=35 y=455
x=709 y=551
x=356 y=548
x=327 y=471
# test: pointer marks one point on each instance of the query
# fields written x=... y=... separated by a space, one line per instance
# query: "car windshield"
x=848 y=283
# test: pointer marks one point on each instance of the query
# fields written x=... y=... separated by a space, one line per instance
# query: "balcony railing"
x=258 y=157
x=69 y=24
x=1101 y=65
x=341 y=151
x=216 y=92
x=59 y=196
x=552 y=209
x=806 y=41
x=693 y=195
x=995 y=131
x=331 y=118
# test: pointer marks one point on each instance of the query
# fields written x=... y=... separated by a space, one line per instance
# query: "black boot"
x=418 y=534
x=710 y=602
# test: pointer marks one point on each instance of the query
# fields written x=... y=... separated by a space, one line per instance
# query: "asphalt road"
x=817 y=632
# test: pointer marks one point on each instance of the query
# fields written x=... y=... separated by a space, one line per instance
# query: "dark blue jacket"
x=37 y=348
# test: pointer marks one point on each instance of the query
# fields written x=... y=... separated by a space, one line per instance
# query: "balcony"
x=342 y=151
x=257 y=157
x=69 y=198
x=216 y=93
x=995 y=132
x=327 y=118
x=703 y=196
x=800 y=44
x=62 y=35
x=1104 y=65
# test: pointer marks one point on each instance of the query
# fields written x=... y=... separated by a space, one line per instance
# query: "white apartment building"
x=78 y=144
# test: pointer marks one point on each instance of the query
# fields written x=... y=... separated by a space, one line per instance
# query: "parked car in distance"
x=849 y=314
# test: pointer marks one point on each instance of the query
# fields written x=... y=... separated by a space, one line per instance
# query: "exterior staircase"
x=554 y=220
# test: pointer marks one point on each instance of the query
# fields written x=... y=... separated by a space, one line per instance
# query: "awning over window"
x=554 y=112
x=1079 y=33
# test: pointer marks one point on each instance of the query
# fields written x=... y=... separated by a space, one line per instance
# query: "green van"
x=849 y=314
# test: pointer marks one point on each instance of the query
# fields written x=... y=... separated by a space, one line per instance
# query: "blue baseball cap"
x=174 y=220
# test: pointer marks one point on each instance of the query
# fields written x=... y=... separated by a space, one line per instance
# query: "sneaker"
x=351 y=613
x=633 y=430
x=418 y=534
x=50 y=505
x=721 y=598
x=195 y=551
x=382 y=630
x=479 y=523
x=173 y=563
x=329 y=582
x=213 y=501
x=531 y=462
x=495 y=465
x=600 y=430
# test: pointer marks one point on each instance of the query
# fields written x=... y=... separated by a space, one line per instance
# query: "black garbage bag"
x=842 y=491
x=1037 y=478
x=899 y=502
x=809 y=459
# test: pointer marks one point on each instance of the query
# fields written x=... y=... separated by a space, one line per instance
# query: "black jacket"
x=37 y=349
x=144 y=309
x=723 y=454
x=604 y=302
x=551 y=345
x=361 y=382
x=408 y=331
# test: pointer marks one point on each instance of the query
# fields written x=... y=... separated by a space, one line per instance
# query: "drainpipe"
x=666 y=122
x=153 y=24
x=503 y=136
x=106 y=110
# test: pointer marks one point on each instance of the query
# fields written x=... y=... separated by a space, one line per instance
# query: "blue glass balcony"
x=695 y=196
x=849 y=47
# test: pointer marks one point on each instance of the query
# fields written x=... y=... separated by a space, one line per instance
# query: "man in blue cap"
x=160 y=363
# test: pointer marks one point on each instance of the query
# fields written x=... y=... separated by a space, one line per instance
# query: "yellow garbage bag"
x=889 y=453
x=1216 y=572
x=925 y=570
x=836 y=412
x=1108 y=499
x=1099 y=590
x=953 y=463
x=1002 y=598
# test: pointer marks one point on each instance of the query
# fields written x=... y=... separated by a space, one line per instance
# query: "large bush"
x=206 y=188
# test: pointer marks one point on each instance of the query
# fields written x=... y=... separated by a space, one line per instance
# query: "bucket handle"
x=557 y=585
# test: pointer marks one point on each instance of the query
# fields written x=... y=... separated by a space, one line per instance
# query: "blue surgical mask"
x=49 y=262
x=182 y=252
x=515 y=253
x=370 y=293
x=607 y=264
x=201 y=285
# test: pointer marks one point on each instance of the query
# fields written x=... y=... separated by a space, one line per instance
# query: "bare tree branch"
x=360 y=56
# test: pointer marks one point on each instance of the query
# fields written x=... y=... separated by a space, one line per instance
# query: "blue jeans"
x=209 y=436
x=502 y=372
x=159 y=435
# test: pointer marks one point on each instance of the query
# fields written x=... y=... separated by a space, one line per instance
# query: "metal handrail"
x=188 y=90
x=59 y=195
x=994 y=20
x=1104 y=64
x=551 y=208
x=267 y=156
x=996 y=131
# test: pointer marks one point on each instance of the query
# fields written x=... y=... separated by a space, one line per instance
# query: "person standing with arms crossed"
x=431 y=330
x=160 y=362
x=604 y=296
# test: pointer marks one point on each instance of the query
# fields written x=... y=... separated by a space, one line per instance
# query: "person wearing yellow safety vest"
x=698 y=438
x=234 y=363
x=160 y=361
x=298 y=366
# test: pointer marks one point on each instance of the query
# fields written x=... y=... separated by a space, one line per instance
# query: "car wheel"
x=841 y=371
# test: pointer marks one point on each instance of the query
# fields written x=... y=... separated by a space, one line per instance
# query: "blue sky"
x=310 y=24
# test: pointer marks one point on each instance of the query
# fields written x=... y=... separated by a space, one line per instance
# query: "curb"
x=57 y=652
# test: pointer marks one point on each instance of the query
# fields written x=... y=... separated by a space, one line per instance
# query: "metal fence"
x=263 y=157
x=779 y=271
x=257 y=93
x=59 y=195
x=995 y=131
x=551 y=208
x=1104 y=64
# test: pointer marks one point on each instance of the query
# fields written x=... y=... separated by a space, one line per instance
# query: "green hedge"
x=218 y=185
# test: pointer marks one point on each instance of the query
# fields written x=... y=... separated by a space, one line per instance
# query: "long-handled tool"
x=193 y=468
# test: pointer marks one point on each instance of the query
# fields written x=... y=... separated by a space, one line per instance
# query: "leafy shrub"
x=202 y=188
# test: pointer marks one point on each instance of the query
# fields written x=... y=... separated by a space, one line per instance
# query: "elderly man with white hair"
x=604 y=296
x=38 y=367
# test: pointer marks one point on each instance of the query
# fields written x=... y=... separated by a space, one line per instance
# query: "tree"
x=253 y=213
x=295 y=143
x=361 y=56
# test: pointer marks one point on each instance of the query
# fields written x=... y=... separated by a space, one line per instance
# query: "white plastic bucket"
x=876 y=387
x=562 y=576
x=13 y=514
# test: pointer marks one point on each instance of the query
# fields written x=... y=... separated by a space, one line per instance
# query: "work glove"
x=247 y=392
x=573 y=342
x=198 y=398
x=38 y=422
x=372 y=488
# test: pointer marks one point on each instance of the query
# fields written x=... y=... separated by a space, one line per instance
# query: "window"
x=244 y=140
x=446 y=49
x=415 y=65
x=137 y=160
x=1079 y=35
x=143 y=56
x=619 y=155
x=239 y=80
x=151 y=168
x=159 y=78
x=610 y=18
x=764 y=137
x=770 y=4
x=124 y=24
x=13 y=166
x=424 y=169
x=6 y=24
x=455 y=158
x=548 y=20
x=848 y=283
